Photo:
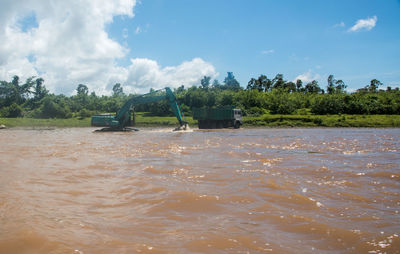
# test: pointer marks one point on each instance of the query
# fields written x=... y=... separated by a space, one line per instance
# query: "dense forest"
x=261 y=96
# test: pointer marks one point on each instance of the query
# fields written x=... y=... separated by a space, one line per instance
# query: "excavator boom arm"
x=175 y=107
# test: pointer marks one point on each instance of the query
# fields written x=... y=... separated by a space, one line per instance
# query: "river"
x=260 y=190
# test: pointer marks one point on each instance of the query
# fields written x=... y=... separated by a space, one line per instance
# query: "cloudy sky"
x=156 y=43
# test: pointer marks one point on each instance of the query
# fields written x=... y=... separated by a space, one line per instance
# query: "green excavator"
x=123 y=118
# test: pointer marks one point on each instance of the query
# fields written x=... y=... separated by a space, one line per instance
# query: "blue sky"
x=155 y=43
x=269 y=37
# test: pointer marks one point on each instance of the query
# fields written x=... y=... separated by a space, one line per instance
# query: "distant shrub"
x=255 y=111
x=281 y=102
x=302 y=111
x=327 y=104
x=50 y=109
x=14 y=110
x=83 y=113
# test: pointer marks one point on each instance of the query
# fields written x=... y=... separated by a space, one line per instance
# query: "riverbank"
x=373 y=121
x=324 y=121
x=141 y=121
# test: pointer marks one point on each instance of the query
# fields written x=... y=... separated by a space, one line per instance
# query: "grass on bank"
x=265 y=120
x=141 y=121
x=34 y=122
x=323 y=121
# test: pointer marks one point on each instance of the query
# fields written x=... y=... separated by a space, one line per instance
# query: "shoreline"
x=276 y=121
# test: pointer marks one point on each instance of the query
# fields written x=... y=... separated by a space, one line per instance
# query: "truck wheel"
x=237 y=125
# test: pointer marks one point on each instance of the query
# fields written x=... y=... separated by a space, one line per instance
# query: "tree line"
x=261 y=95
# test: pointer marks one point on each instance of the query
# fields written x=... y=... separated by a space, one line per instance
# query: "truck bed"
x=221 y=113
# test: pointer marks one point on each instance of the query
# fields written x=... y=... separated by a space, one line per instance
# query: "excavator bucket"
x=184 y=127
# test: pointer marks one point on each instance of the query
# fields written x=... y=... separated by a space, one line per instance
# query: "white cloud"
x=364 y=24
x=267 y=52
x=144 y=74
x=69 y=45
x=341 y=24
x=138 y=30
x=308 y=76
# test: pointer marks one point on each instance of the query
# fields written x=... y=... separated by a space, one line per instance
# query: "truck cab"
x=237 y=115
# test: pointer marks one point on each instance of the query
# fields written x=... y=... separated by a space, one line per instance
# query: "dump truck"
x=217 y=118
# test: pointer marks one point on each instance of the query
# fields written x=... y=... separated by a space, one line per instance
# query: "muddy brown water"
x=224 y=191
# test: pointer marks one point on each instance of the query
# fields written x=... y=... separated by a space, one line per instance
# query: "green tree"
x=373 y=87
x=205 y=82
x=281 y=102
x=312 y=87
x=15 y=92
x=216 y=84
x=262 y=83
x=290 y=87
x=54 y=107
x=82 y=98
x=226 y=98
x=335 y=86
x=299 y=85
x=251 y=85
x=180 y=89
x=117 y=90
x=251 y=99
x=25 y=89
x=6 y=93
x=40 y=90
x=328 y=104
x=82 y=90
x=21 y=92
x=330 y=89
x=231 y=83
x=195 y=97
x=340 y=86
x=278 y=81
x=14 y=110
x=211 y=99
